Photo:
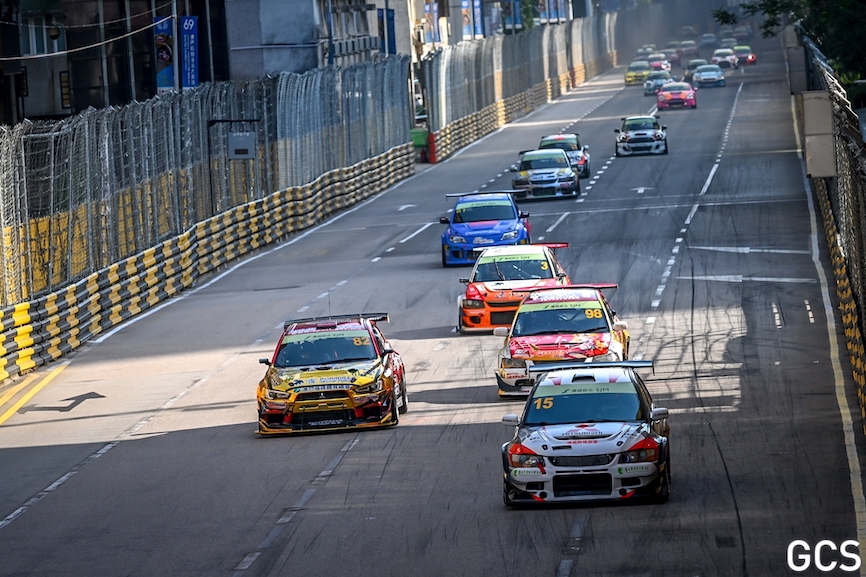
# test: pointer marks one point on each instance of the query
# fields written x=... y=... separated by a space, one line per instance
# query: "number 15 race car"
x=331 y=373
x=588 y=432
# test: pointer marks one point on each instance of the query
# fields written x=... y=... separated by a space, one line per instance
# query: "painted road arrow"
x=75 y=402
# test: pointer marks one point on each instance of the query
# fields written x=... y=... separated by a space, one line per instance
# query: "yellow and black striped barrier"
x=36 y=332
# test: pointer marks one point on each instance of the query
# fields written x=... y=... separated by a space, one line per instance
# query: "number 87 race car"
x=332 y=373
x=587 y=432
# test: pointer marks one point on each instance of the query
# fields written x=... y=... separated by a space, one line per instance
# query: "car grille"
x=676 y=101
x=503 y=304
x=321 y=395
x=640 y=139
x=315 y=419
x=542 y=180
x=579 y=485
x=581 y=460
x=501 y=318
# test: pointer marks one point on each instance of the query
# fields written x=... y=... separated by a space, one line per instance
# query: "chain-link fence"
x=80 y=194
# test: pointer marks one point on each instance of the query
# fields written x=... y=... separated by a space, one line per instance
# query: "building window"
x=37 y=36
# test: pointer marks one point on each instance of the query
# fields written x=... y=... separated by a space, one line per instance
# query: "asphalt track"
x=138 y=456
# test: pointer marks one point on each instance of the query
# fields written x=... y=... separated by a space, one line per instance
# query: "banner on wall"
x=466 y=20
x=392 y=38
x=164 y=46
x=189 y=52
x=431 y=23
x=477 y=18
x=511 y=15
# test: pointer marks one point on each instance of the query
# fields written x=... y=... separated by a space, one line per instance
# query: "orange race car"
x=502 y=276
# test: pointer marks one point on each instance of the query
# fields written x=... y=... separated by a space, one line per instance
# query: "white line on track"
x=419 y=231
x=558 y=221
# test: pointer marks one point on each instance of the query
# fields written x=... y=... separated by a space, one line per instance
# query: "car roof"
x=698 y=61
x=641 y=63
x=705 y=67
x=544 y=153
x=676 y=86
x=659 y=74
x=553 y=137
x=589 y=375
x=743 y=47
x=562 y=294
x=723 y=52
x=527 y=249
x=640 y=117
x=481 y=196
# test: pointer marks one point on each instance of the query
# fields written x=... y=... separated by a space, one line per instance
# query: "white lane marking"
x=302 y=309
x=749 y=250
x=419 y=231
x=323 y=295
x=247 y=561
x=389 y=249
x=776 y=316
x=377 y=259
x=710 y=177
x=737 y=278
x=405 y=206
x=691 y=214
x=809 y=312
x=650 y=320
x=854 y=470
x=555 y=224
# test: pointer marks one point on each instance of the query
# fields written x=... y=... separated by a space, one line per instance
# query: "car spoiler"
x=560 y=366
x=600 y=286
x=459 y=194
x=550 y=245
x=375 y=317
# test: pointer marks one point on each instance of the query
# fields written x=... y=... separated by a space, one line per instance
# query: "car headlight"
x=456 y=239
x=472 y=304
x=510 y=235
x=623 y=137
x=520 y=457
x=272 y=395
x=566 y=178
x=646 y=450
x=376 y=385
x=509 y=363
x=658 y=136
x=519 y=181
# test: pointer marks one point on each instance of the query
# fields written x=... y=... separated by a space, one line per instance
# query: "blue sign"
x=189 y=51
x=392 y=40
x=478 y=19
x=164 y=45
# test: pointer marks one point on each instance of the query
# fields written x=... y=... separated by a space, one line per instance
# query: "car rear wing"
x=599 y=286
x=565 y=365
x=375 y=317
x=459 y=194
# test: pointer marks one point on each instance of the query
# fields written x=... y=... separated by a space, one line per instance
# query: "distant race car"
x=655 y=81
x=501 y=278
x=544 y=174
x=688 y=49
x=641 y=134
x=480 y=220
x=677 y=95
x=708 y=75
x=571 y=323
x=691 y=67
x=658 y=61
x=725 y=58
x=637 y=72
x=587 y=432
x=745 y=55
x=331 y=373
x=577 y=153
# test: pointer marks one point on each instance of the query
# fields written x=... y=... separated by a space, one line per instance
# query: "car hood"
x=583 y=438
x=482 y=227
x=507 y=286
x=559 y=347
x=549 y=172
x=321 y=377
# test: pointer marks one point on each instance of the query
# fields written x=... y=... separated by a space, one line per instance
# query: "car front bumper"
x=551 y=190
x=281 y=417
x=629 y=148
x=457 y=254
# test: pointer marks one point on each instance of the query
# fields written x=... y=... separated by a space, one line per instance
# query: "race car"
x=658 y=61
x=725 y=58
x=637 y=72
x=709 y=75
x=745 y=55
x=331 y=374
x=567 y=323
x=640 y=134
x=577 y=154
x=588 y=433
x=544 y=174
x=501 y=278
x=690 y=68
x=677 y=95
x=482 y=219
x=655 y=81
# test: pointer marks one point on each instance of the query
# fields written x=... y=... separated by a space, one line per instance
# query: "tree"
x=834 y=25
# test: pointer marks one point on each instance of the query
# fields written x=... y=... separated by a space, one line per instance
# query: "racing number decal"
x=361 y=341
x=545 y=403
x=544 y=265
x=593 y=314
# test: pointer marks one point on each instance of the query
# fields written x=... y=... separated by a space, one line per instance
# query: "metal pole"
x=330 y=35
x=129 y=61
x=385 y=24
x=175 y=49
x=104 y=55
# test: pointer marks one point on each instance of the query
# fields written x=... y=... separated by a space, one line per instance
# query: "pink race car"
x=677 y=95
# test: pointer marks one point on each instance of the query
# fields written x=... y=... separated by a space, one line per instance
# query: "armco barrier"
x=37 y=332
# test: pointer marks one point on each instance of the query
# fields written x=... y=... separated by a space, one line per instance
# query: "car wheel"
x=395 y=413
x=663 y=487
x=444 y=262
x=506 y=491
x=404 y=397
x=666 y=146
x=588 y=170
x=616 y=152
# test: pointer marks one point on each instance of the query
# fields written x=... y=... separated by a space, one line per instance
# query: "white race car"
x=588 y=432
x=641 y=134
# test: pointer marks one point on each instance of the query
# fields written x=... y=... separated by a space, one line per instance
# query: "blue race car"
x=481 y=220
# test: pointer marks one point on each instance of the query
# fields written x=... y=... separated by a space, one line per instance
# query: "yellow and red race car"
x=331 y=373
x=501 y=278
x=557 y=324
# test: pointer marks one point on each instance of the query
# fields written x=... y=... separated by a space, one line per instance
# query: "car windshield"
x=535 y=320
x=584 y=403
x=543 y=162
x=695 y=63
x=709 y=68
x=638 y=66
x=724 y=52
x=560 y=144
x=640 y=124
x=482 y=211
x=301 y=350
x=659 y=76
x=676 y=87
x=512 y=267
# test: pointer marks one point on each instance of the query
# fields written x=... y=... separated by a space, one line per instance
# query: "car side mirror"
x=387 y=350
x=265 y=362
x=513 y=168
x=657 y=414
x=664 y=127
x=586 y=147
x=620 y=326
x=511 y=419
x=500 y=332
x=616 y=130
x=464 y=280
x=444 y=220
x=523 y=214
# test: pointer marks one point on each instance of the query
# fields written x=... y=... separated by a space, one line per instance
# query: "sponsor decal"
x=582 y=431
x=631 y=469
x=525 y=472
x=320 y=388
x=583 y=442
x=326 y=422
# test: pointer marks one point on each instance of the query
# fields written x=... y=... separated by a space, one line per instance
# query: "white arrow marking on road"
x=748 y=249
x=405 y=206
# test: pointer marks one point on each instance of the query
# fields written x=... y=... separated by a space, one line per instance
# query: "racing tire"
x=395 y=413
x=666 y=147
x=663 y=488
x=506 y=500
x=444 y=262
x=404 y=408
